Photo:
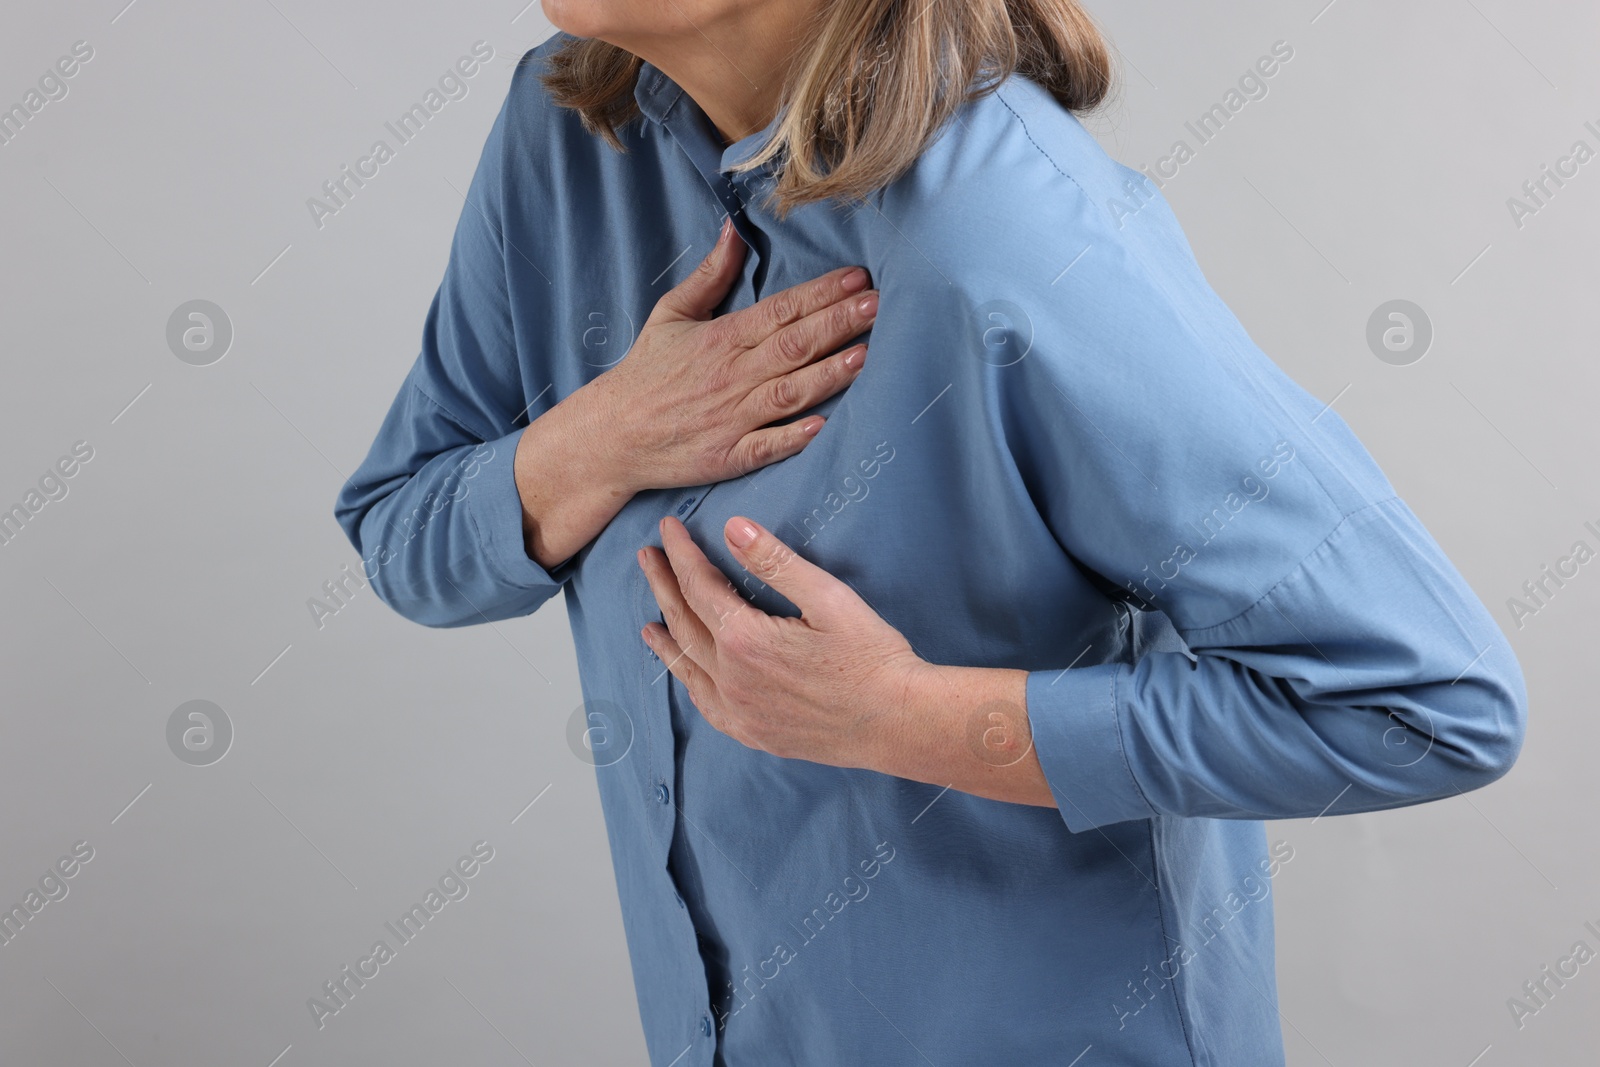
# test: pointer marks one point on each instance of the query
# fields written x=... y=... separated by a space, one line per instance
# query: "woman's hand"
x=691 y=402
x=824 y=687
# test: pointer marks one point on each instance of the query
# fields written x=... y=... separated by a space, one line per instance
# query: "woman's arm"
x=570 y=488
x=434 y=508
x=1335 y=659
x=1349 y=685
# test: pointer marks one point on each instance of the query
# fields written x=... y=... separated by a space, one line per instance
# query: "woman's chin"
x=574 y=16
x=581 y=18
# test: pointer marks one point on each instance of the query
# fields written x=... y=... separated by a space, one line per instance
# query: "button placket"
x=658 y=790
x=656 y=711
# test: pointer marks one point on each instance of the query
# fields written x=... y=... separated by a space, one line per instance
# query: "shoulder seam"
x=999 y=95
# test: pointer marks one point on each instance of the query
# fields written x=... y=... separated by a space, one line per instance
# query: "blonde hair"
x=869 y=87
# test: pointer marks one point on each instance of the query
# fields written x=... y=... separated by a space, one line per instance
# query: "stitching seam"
x=452 y=416
x=1029 y=136
x=1161 y=919
x=1116 y=728
x=1343 y=521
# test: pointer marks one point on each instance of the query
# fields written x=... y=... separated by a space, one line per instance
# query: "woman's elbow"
x=419 y=599
x=1485 y=717
x=1497 y=754
x=383 y=570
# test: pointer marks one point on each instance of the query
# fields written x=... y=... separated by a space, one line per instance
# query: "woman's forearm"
x=967 y=728
x=571 y=475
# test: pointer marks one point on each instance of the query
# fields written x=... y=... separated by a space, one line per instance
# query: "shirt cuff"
x=1075 y=716
x=494 y=506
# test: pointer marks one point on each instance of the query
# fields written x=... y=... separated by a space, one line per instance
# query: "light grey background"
x=371 y=753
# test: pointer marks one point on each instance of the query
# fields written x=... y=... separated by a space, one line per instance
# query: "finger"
x=797 y=344
x=761 y=447
x=806 y=387
x=818 y=594
x=698 y=295
x=702 y=689
x=752 y=325
x=706 y=590
x=686 y=628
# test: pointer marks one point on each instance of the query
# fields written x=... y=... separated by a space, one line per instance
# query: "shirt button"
x=679 y=897
x=685 y=505
x=662 y=794
x=705 y=1025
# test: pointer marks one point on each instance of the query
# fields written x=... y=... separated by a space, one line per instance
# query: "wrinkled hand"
x=829 y=686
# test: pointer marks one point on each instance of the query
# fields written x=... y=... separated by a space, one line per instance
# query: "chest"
x=905 y=494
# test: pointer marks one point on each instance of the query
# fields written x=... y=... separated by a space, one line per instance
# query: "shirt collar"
x=655 y=92
x=658 y=97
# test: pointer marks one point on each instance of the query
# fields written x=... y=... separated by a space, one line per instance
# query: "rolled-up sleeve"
x=1336 y=660
x=434 y=508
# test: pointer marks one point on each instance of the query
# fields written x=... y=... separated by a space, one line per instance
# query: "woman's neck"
x=731 y=62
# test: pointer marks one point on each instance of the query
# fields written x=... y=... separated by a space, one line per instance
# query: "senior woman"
x=937 y=686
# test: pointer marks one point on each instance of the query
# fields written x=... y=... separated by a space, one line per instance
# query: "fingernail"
x=856 y=279
x=727 y=228
x=742 y=534
x=855 y=358
x=811 y=426
x=868 y=304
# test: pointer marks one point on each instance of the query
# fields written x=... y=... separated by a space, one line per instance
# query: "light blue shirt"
x=1064 y=455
